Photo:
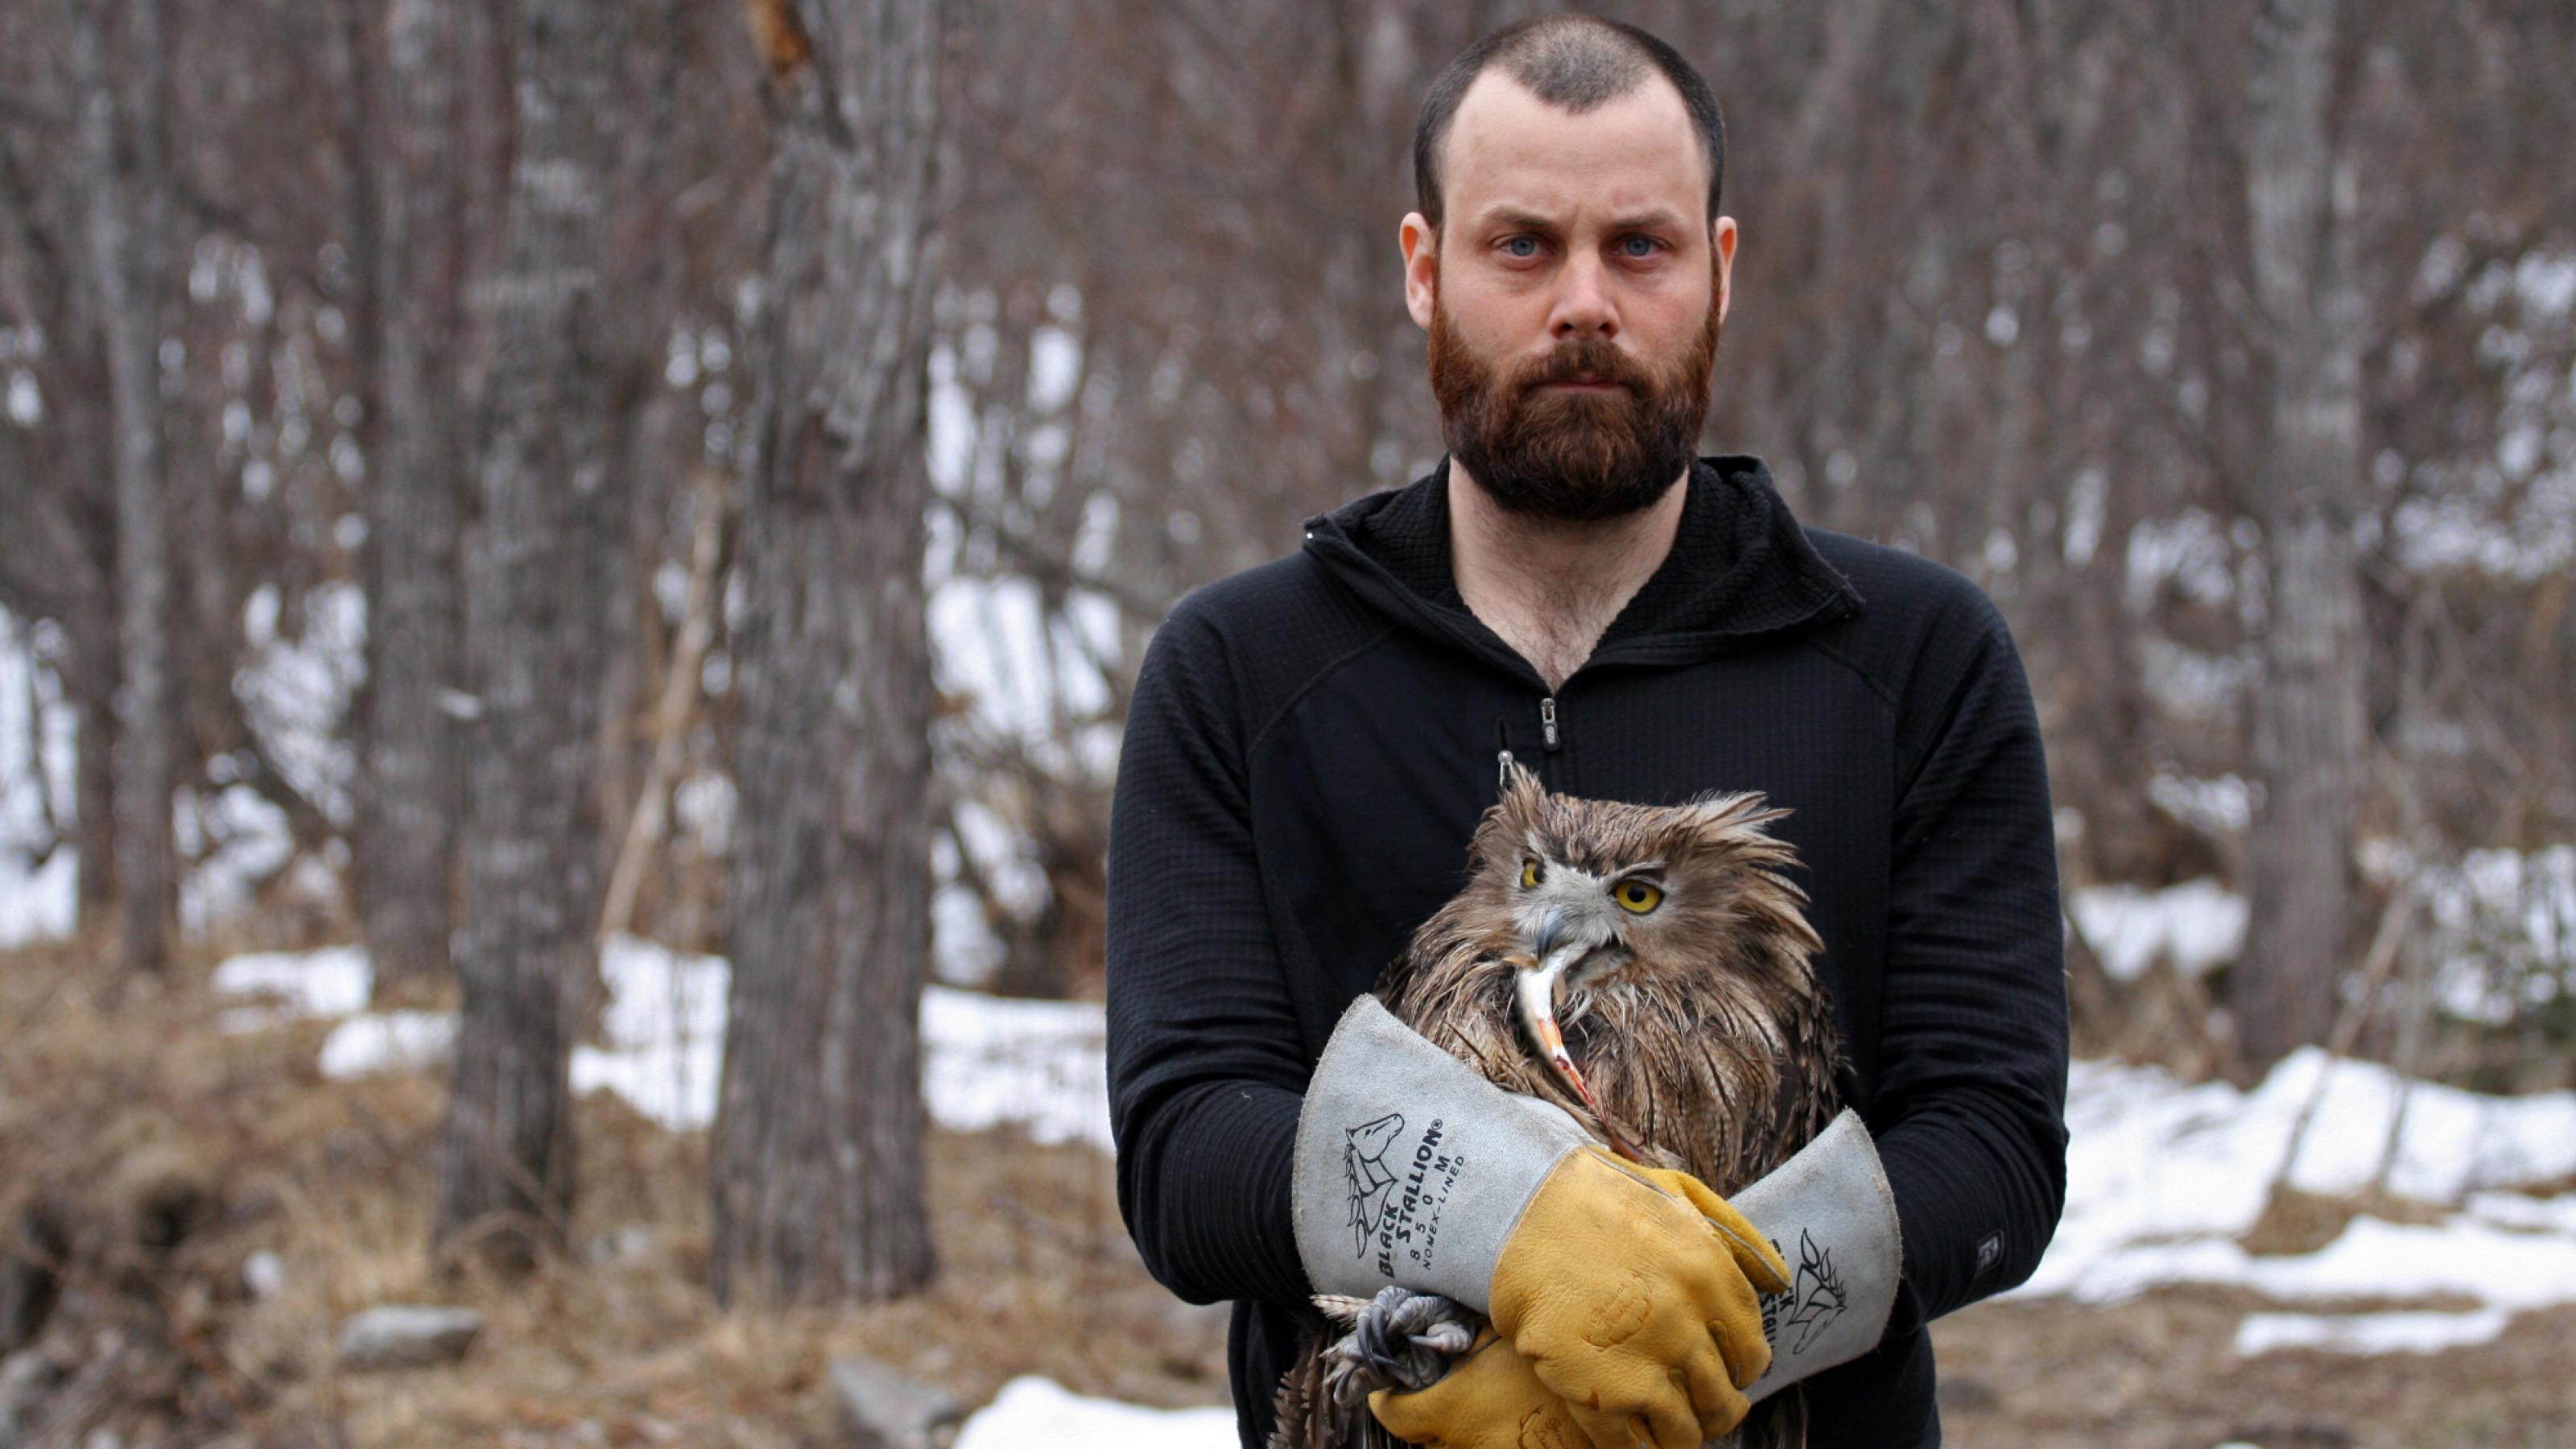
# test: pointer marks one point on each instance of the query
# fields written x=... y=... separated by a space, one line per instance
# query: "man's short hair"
x=1576 y=63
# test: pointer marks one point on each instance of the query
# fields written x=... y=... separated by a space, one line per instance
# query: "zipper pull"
x=1547 y=721
x=1502 y=756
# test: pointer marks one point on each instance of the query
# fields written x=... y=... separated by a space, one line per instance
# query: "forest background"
x=520 y=486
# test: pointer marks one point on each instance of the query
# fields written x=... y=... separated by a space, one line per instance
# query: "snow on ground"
x=330 y=981
x=37 y=905
x=2367 y=1333
x=1039 y=1411
x=2197 y=925
x=2165 y=1177
x=989 y=1060
x=35 y=793
x=1040 y=1064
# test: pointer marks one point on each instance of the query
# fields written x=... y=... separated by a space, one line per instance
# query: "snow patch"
x=2198 y=925
x=331 y=981
x=37 y=902
x=41 y=904
x=2368 y=1333
x=2163 y=1178
x=988 y=1060
x=1032 y=1410
x=387 y=1041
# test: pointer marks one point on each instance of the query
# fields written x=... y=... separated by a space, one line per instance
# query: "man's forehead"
x=1633 y=153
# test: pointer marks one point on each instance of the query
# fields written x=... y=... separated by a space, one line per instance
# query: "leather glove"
x=1830 y=1198
x=1634 y=1294
x=1631 y=1292
x=1490 y=1399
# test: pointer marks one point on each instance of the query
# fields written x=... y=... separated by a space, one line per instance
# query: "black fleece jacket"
x=1311 y=742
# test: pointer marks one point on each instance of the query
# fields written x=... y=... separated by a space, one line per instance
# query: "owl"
x=1647 y=968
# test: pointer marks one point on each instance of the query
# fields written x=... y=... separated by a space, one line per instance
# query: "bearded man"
x=1311 y=742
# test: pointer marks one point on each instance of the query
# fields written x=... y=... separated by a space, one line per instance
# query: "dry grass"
x=2302 y=1222
x=2157 y=1373
x=143 y=1123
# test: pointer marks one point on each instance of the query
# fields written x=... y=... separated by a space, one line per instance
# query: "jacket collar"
x=1740 y=568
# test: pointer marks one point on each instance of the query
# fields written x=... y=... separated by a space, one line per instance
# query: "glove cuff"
x=1410 y=1168
x=1832 y=1216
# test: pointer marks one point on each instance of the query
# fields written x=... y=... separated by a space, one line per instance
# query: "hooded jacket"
x=1308 y=750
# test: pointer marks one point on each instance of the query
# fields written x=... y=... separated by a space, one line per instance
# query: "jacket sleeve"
x=1206 y=1065
x=1971 y=1090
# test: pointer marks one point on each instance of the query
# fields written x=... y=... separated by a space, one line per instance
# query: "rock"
x=882 y=1408
x=1960 y=1394
x=264 y=1273
x=26 y=1378
x=629 y=1244
x=406 y=1335
x=28 y=1287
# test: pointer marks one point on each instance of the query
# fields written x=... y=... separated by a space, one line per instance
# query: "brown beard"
x=1581 y=457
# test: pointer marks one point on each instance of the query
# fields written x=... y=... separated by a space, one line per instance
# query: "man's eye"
x=1523 y=247
x=1640 y=247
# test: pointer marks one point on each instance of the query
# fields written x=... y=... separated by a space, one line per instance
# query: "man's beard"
x=1576 y=456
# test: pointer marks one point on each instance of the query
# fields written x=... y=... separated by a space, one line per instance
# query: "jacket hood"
x=1740 y=568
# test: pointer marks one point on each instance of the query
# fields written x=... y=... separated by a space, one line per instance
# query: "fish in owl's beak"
x=1534 y=1002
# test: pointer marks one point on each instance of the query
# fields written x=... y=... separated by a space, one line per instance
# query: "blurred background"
x=570 y=569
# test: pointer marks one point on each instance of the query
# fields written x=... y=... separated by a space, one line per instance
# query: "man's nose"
x=1582 y=302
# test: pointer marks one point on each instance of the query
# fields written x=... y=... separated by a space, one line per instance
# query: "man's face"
x=1574 y=297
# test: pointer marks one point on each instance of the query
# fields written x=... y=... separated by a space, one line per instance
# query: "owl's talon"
x=1400 y=1340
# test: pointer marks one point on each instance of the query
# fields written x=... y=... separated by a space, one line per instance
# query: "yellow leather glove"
x=1632 y=1292
x=1490 y=1399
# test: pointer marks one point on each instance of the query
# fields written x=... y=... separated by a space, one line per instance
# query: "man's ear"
x=1420 y=242
x=1721 y=248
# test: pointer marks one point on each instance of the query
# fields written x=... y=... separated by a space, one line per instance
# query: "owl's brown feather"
x=1704 y=1031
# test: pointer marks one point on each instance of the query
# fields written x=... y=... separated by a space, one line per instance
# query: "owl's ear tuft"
x=1731 y=810
x=1731 y=826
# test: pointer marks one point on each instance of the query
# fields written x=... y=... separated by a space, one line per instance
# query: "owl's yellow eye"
x=1529 y=873
x=1637 y=896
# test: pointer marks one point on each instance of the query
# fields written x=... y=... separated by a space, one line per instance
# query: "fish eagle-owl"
x=1649 y=969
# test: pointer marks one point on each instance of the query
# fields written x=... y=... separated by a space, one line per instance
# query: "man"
x=1312 y=741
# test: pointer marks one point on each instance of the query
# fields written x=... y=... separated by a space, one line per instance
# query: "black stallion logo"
x=1364 y=1169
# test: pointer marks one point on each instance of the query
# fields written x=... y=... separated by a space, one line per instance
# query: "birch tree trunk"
x=413 y=633
x=534 y=621
x=817 y=1175
x=127 y=160
x=2308 y=735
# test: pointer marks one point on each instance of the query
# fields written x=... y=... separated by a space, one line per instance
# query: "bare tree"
x=817 y=1173
x=127 y=160
x=413 y=606
x=2308 y=717
x=534 y=623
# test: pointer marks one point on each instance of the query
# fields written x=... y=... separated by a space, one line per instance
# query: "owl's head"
x=1599 y=891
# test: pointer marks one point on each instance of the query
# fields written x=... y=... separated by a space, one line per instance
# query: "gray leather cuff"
x=1830 y=1213
x=1410 y=1168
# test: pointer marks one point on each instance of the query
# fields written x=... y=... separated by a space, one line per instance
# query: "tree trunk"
x=413 y=620
x=817 y=1175
x=90 y=685
x=127 y=159
x=2308 y=734
x=533 y=627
